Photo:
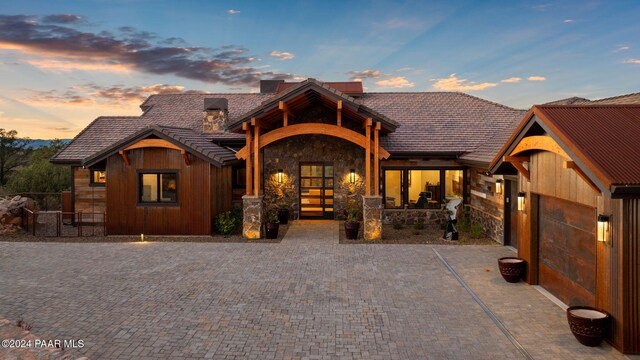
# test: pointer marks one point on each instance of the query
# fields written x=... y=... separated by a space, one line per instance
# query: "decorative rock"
x=372 y=216
x=251 y=216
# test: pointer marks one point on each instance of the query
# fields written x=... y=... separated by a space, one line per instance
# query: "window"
x=98 y=177
x=159 y=187
x=417 y=188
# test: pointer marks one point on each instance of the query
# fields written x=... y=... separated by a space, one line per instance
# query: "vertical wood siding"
x=630 y=279
x=192 y=215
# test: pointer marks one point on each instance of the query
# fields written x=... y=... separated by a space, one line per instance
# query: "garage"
x=567 y=250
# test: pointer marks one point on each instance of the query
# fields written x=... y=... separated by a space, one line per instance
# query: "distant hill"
x=38 y=143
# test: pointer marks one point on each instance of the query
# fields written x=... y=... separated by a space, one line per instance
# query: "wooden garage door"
x=567 y=251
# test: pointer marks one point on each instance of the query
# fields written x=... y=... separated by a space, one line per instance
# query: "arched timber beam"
x=311 y=129
x=545 y=143
x=156 y=143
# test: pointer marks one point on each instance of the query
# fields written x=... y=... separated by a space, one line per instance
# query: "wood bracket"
x=185 y=156
x=572 y=165
x=124 y=157
x=517 y=161
x=339 y=113
x=258 y=123
x=286 y=112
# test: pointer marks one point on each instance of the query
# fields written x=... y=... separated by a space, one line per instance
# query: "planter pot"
x=351 y=230
x=511 y=268
x=271 y=229
x=589 y=325
x=283 y=216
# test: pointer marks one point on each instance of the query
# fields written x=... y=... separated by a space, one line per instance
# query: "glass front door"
x=316 y=190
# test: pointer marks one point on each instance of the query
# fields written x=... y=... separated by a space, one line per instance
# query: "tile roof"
x=429 y=122
x=621 y=99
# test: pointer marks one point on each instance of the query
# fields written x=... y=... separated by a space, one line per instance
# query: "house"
x=577 y=218
x=312 y=145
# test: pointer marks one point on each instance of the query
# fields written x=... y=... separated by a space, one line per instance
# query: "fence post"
x=80 y=223
x=58 y=223
x=34 y=221
x=104 y=224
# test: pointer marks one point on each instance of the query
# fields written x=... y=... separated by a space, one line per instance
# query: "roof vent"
x=269 y=86
x=215 y=115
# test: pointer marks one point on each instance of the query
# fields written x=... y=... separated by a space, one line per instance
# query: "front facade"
x=310 y=146
x=578 y=218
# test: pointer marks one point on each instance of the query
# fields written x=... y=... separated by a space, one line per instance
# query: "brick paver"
x=272 y=301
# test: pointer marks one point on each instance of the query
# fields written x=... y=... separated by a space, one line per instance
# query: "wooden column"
x=339 y=114
x=367 y=159
x=376 y=160
x=256 y=154
x=249 y=170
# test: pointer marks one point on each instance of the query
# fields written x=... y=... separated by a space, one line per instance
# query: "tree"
x=41 y=175
x=13 y=153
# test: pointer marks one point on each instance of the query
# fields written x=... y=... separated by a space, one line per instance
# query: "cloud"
x=364 y=74
x=138 y=50
x=632 y=61
x=568 y=21
x=72 y=65
x=452 y=83
x=536 y=78
x=511 y=80
x=397 y=82
x=233 y=11
x=63 y=19
x=282 y=55
x=622 y=48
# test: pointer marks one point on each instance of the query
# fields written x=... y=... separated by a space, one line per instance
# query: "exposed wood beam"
x=572 y=165
x=516 y=161
x=185 y=156
x=285 y=112
x=367 y=160
x=367 y=122
x=544 y=143
x=339 y=113
x=376 y=160
x=311 y=128
x=256 y=160
x=124 y=157
x=261 y=124
x=248 y=168
x=160 y=143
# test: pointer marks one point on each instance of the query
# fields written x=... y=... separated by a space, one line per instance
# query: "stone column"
x=251 y=216
x=372 y=216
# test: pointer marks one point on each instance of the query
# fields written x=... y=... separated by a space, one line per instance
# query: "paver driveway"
x=288 y=300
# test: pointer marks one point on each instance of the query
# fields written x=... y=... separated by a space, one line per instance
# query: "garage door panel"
x=567 y=250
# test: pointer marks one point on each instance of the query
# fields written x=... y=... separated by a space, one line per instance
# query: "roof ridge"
x=588 y=105
x=445 y=92
x=616 y=97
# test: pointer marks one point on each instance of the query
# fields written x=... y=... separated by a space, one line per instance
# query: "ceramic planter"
x=589 y=325
x=511 y=268
x=283 y=216
x=271 y=229
x=351 y=229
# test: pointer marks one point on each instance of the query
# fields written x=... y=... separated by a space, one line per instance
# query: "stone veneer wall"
x=412 y=216
x=492 y=225
x=287 y=154
x=486 y=207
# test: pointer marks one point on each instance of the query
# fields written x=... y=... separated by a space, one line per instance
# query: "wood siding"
x=192 y=214
x=221 y=191
x=630 y=279
x=87 y=198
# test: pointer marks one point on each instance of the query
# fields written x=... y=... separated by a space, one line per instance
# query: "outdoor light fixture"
x=352 y=175
x=603 y=227
x=521 y=199
x=279 y=176
x=142 y=237
x=499 y=186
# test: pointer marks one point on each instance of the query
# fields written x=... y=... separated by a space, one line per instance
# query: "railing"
x=64 y=224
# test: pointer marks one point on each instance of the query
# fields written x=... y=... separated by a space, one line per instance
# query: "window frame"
x=93 y=183
x=139 y=174
x=405 y=183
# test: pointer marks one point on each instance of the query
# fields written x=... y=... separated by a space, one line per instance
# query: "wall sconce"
x=499 y=186
x=603 y=227
x=352 y=176
x=521 y=201
x=279 y=176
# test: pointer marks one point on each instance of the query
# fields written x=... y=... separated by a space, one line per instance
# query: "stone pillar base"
x=372 y=216
x=251 y=216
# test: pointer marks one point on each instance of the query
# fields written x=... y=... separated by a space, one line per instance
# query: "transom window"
x=98 y=177
x=417 y=188
x=158 y=187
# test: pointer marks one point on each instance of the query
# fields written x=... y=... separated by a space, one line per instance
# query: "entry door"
x=316 y=190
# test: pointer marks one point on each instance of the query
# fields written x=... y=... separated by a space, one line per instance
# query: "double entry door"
x=316 y=190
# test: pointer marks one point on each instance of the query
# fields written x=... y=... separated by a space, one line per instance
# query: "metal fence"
x=64 y=224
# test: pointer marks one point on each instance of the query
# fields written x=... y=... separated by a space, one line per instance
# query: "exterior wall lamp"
x=280 y=176
x=499 y=186
x=604 y=222
x=521 y=201
x=352 y=176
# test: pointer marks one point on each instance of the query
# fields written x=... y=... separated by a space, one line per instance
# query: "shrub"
x=398 y=225
x=419 y=225
x=463 y=224
x=227 y=222
x=476 y=231
x=353 y=211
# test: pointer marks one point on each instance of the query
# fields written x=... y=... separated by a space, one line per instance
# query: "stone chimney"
x=215 y=115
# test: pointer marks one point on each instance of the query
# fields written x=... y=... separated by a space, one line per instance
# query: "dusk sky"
x=63 y=63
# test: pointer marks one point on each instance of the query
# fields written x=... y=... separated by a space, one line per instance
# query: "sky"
x=64 y=63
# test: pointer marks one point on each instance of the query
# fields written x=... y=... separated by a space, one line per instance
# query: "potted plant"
x=352 y=223
x=511 y=268
x=283 y=212
x=271 y=224
x=589 y=325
